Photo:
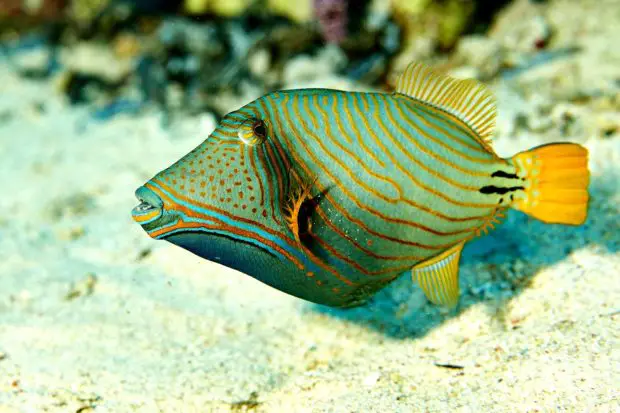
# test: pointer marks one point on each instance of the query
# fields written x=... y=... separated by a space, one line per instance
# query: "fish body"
x=330 y=195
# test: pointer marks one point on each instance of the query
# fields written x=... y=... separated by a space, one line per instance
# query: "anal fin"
x=439 y=277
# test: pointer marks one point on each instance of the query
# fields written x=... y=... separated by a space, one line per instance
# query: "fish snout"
x=150 y=208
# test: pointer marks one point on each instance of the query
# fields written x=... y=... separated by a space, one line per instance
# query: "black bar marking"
x=450 y=366
x=502 y=174
x=491 y=189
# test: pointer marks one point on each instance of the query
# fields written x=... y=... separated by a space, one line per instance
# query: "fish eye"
x=259 y=128
x=252 y=131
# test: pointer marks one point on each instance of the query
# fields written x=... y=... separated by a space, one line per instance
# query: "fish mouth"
x=151 y=206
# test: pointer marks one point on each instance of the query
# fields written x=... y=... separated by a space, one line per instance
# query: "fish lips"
x=152 y=215
x=150 y=209
x=159 y=220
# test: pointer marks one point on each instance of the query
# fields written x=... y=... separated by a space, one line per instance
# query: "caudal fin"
x=556 y=181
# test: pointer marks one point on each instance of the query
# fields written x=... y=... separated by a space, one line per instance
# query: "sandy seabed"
x=96 y=316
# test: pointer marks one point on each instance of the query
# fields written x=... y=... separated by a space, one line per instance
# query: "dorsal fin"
x=467 y=99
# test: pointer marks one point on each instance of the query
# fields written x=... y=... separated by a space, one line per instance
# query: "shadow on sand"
x=494 y=268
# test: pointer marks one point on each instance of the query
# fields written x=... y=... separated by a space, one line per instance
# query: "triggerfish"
x=330 y=195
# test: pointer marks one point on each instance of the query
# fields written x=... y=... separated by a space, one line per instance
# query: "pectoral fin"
x=439 y=277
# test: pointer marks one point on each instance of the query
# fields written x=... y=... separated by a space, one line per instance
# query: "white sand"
x=162 y=330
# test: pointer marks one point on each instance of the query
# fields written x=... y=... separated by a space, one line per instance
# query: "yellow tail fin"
x=556 y=181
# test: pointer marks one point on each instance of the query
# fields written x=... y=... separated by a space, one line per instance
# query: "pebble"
x=71 y=233
x=84 y=287
x=372 y=379
x=569 y=119
x=608 y=124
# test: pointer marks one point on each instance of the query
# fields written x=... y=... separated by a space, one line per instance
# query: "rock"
x=259 y=63
x=33 y=61
x=539 y=123
x=226 y=8
x=568 y=118
x=480 y=52
x=492 y=290
x=465 y=72
x=443 y=21
x=192 y=7
x=333 y=19
x=537 y=117
x=521 y=28
x=83 y=12
x=190 y=37
x=416 y=49
x=426 y=27
x=96 y=60
x=38 y=10
x=410 y=7
x=299 y=11
x=306 y=68
x=127 y=46
x=379 y=12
